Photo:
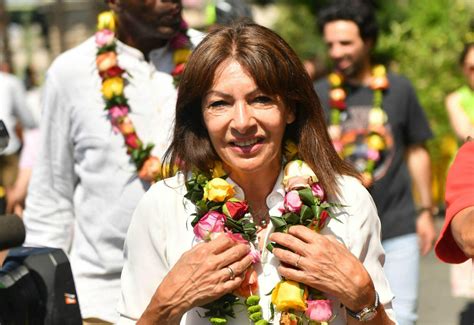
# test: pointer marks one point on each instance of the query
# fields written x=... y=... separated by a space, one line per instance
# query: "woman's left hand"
x=325 y=264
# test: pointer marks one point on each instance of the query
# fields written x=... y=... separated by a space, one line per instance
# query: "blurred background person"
x=108 y=105
x=377 y=123
x=460 y=103
x=31 y=144
x=16 y=116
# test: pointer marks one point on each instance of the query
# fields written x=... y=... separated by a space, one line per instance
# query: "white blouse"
x=161 y=231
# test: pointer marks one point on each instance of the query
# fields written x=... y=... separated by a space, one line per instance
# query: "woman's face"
x=245 y=125
x=468 y=67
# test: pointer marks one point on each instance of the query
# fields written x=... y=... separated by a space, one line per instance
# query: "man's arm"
x=462 y=228
x=458 y=118
x=419 y=165
x=48 y=214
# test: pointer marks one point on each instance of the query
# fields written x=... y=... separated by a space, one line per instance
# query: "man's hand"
x=426 y=231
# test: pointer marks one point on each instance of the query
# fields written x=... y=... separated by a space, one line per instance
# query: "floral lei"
x=377 y=118
x=116 y=103
x=218 y=211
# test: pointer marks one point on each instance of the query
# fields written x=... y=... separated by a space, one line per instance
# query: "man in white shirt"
x=85 y=184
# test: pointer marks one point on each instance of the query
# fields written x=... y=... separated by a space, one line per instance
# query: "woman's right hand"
x=200 y=276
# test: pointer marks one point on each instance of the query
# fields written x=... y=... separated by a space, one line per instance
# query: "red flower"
x=132 y=140
x=235 y=209
x=178 y=70
x=322 y=219
x=339 y=104
x=114 y=71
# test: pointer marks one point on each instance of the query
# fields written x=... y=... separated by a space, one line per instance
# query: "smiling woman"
x=252 y=145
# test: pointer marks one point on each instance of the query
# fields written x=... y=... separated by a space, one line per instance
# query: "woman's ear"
x=291 y=116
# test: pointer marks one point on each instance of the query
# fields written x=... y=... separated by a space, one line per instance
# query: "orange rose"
x=106 y=60
x=337 y=94
x=126 y=126
x=151 y=169
x=250 y=284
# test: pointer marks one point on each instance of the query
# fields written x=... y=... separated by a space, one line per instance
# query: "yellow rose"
x=112 y=87
x=181 y=56
x=335 y=80
x=300 y=169
x=379 y=71
x=376 y=142
x=289 y=295
x=218 y=190
x=106 y=20
x=218 y=170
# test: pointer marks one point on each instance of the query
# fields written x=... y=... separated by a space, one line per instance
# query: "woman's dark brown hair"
x=276 y=70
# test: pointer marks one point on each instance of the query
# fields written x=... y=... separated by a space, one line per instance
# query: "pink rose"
x=338 y=146
x=293 y=202
x=319 y=310
x=104 y=37
x=317 y=191
x=238 y=238
x=212 y=222
x=116 y=112
x=373 y=155
x=255 y=254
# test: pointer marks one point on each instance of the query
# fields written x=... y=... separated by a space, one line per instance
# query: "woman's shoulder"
x=350 y=188
x=168 y=187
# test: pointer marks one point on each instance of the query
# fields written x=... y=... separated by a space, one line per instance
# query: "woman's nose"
x=243 y=117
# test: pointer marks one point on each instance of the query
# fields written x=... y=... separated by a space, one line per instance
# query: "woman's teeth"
x=246 y=143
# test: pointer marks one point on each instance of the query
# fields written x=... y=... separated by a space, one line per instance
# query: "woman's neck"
x=257 y=186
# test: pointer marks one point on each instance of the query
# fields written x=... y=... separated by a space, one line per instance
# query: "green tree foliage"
x=424 y=46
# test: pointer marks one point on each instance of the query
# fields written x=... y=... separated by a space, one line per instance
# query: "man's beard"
x=353 y=70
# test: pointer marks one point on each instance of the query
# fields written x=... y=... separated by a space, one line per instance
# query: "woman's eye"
x=218 y=107
x=217 y=104
x=262 y=100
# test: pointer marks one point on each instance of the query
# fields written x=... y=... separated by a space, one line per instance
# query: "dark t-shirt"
x=406 y=125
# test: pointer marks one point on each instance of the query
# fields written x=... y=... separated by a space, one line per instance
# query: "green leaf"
x=305 y=214
x=291 y=218
x=307 y=196
x=278 y=222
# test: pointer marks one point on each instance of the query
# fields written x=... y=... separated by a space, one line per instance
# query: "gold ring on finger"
x=298 y=261
x=231 y=273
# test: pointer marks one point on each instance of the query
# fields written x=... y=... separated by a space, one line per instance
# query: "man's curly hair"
x=361 y=12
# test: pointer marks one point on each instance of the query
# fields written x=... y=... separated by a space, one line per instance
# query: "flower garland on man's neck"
x=116 y=103
x=377 y=118
x=218 y=211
